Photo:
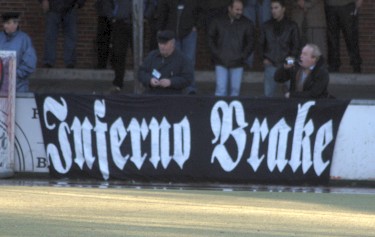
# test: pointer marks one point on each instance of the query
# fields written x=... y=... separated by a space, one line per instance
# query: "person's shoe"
x=70 y=66
x=47 y=65
x=192 y=92
x=115 y=89
x=357 y=69
x=101 y=67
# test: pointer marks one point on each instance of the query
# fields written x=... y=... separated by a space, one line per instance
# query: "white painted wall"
x=354 y=154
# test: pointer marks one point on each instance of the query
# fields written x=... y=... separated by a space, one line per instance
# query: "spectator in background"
x=181 y=17
x=311 y=20
x=231 y=41
x=279 y=39
x=12 y=38
x=342 y=15
x=60 y=12
x=104 y=9
x=166 y=70
x=308 y=77
x=259 y=12
x=121 y=40
x=151 y=16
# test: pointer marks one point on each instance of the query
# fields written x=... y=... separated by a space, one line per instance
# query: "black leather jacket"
x=180 y=21
x=231 y=42
x=279 y=40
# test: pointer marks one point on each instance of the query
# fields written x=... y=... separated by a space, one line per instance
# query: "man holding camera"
x=308 y=78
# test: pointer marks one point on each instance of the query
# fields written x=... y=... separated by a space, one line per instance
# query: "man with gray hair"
x=308 y=77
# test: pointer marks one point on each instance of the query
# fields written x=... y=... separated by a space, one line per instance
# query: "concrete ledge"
x=203 y=76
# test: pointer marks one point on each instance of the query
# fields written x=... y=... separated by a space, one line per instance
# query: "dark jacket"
x=104 y=8
x=315 y=85
x=279 y=40
x=230 y=42
x=63 y=6
x=214 y=4
x=124 y=10
x=150 y=9
x=177 y=67
x=181 y=22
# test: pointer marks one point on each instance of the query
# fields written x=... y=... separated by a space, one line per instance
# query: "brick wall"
x=33 y=24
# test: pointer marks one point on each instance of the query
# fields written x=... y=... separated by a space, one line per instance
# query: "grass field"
x=74 y=212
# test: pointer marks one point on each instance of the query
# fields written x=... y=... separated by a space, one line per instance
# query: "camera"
x=289 y=60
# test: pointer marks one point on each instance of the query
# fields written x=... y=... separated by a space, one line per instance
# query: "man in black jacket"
x=61 y=12
x=231 y=41
x=279 y=39
x=166 y=70
x=308 y=78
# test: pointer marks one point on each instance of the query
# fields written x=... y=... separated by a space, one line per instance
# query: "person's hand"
x=288 y=66
x=45 y=6
x=267 y=62
x=154 y=82
x=165 y=83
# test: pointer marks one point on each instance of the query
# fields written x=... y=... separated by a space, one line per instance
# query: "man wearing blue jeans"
x=60 y=12
x=279 y=40
x=231 y=41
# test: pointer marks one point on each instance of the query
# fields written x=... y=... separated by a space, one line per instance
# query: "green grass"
x=51 y=211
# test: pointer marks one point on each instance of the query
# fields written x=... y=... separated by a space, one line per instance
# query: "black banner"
x=179 y=139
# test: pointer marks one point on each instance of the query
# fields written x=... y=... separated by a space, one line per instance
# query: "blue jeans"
x=187 y=46
x=69 y=24
x=258 y=13
x=269 y=83
x=22 y=85
x=225 y=75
